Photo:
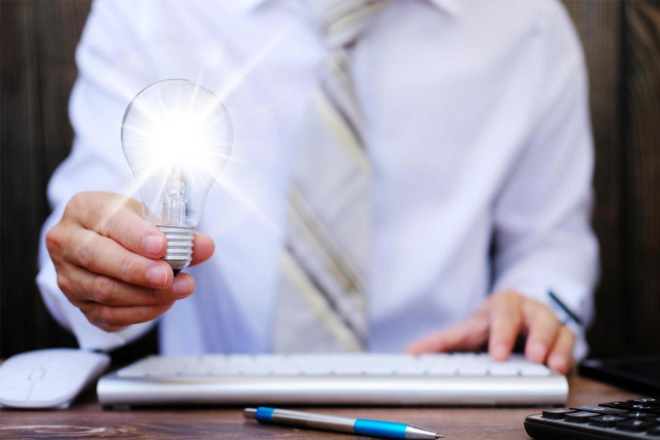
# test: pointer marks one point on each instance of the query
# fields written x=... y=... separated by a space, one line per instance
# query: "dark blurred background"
x=622 y=43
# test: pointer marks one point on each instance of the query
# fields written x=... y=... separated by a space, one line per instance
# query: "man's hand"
x=108 y=263
x=499 y=322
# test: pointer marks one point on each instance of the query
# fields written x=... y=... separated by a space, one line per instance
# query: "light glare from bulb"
x=176 y=134
x=183 y=140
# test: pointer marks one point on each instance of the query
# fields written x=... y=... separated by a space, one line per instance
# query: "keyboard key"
x=601 y=409
x=224 y=371
x=605 y=421
x=556 y=413
x=286 y=370
x=473 y=370
x=534 y=370
x=580 y=416
x=255 y=370
x=379 y=370
x=132 y=372
x=241 y=358
x=633 y=425
x=447 y=370
x=503 y=370
x=412 y=370
x=347 y=370
x=316 y=370
x=468 y=364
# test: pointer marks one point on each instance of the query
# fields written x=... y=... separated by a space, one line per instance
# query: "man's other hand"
x=108 y=263
x=498 y=323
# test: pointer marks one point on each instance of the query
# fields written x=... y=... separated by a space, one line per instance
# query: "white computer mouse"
x=49 y=378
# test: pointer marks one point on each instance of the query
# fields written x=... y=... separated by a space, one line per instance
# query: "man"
x=476 y=136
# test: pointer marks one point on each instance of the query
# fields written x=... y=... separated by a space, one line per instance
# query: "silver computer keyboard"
x=381 y=379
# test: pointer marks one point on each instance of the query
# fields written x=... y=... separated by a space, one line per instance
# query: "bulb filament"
x=174 y=205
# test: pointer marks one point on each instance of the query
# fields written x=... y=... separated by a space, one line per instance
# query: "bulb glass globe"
x=176 y=136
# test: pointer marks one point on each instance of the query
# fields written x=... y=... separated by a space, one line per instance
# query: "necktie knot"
x=344 y=20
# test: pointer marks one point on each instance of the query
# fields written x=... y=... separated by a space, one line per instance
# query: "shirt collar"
x=453 y=7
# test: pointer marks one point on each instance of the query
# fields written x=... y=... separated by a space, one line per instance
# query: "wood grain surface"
x=87 y=420
x=622 y=47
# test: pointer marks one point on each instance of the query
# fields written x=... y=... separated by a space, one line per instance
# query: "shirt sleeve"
x=111 y=70
x=543 y=238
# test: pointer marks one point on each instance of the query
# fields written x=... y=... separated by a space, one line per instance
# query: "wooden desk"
x=86 y=419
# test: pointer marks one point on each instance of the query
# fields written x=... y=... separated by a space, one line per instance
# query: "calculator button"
x=654 y=431
x=557 y=413
x=639 y=415
x=634 y=425
x=606 y=421
x=601 y=409
x=641 y=407
x=621 y=405
x=580 y=416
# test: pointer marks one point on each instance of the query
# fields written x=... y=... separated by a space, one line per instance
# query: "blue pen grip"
x=264 y=414
x=375 y=428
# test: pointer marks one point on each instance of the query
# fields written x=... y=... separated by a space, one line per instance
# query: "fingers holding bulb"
x=111 y=304
x=118 y=218
x=82 y=285
x=104 y=256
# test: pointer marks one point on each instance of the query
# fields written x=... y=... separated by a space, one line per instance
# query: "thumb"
x=203 y=248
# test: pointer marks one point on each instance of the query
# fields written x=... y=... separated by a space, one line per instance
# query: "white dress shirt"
x=478 y=130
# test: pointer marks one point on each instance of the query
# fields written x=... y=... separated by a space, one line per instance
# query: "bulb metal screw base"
x=179 y=246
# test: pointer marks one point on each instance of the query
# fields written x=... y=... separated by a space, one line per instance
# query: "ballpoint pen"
x=571 y=315
x=373 y=428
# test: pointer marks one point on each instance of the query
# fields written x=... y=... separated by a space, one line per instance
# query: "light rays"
x=177 y=135
x=240 y=197
x=176 y=138
x=238 y=78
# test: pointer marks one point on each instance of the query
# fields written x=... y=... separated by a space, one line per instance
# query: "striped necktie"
x=321 y=302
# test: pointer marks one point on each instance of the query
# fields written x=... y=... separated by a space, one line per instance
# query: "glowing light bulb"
x=176 y=137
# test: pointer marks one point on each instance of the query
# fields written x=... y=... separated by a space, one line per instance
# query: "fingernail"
x=182 y=287
x=500 y=351
x=157 y=275
x=152 y=244
x=537 y=351
x=558 y=363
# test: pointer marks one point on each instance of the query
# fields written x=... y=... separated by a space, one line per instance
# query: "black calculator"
x=632 y=419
